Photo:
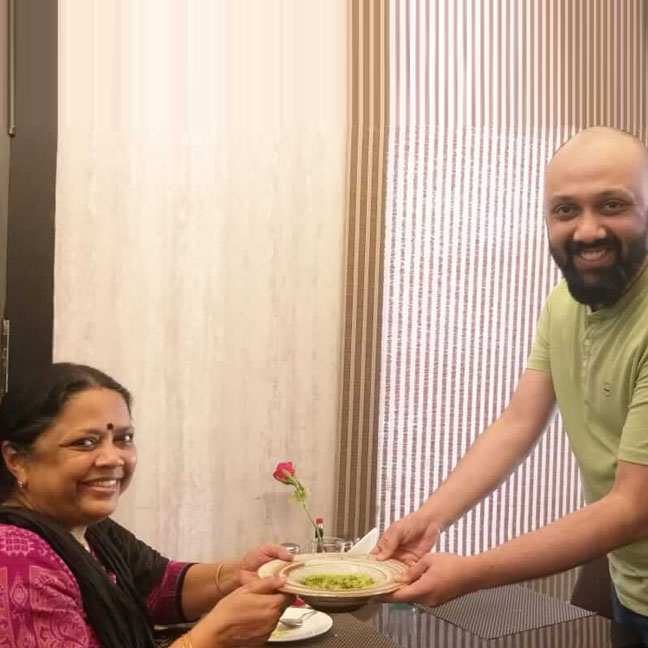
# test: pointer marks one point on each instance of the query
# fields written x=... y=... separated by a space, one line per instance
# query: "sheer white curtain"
x=199 y=248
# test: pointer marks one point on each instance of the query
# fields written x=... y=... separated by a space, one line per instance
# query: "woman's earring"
x=21 y=485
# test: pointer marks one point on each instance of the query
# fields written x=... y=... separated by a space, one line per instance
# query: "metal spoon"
x=292 y=622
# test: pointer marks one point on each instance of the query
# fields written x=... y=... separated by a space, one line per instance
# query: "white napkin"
x=366 y=543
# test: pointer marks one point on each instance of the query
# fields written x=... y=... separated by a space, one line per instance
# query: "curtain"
x=368 y=97
x=199 y=250
x=478 y=97
x=481 y=96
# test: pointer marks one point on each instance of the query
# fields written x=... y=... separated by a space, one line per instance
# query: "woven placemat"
x=502 y=611
x=347 y=632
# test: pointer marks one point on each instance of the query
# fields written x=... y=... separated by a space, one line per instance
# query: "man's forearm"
x=570 y=541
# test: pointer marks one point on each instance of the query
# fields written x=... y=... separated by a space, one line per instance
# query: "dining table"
x=533 y=614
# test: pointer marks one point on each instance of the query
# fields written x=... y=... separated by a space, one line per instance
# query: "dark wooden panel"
x=32 y=182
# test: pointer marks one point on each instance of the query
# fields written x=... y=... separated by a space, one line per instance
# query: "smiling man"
x=590 y=356
x=596 y=202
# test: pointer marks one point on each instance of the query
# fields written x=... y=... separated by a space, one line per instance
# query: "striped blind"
x=356 y=496
x=456 y=107
x=481 y=94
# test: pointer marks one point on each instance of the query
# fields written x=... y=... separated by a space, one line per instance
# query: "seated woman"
x=70 y=577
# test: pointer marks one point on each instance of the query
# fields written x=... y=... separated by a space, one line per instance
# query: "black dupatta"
x=116 y=611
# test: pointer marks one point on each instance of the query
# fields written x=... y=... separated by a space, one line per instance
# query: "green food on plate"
x=336 y=582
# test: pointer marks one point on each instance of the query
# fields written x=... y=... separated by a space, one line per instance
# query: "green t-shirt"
x=598 y=363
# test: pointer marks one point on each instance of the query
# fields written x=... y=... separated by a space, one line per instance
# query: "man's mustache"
x=576 y=247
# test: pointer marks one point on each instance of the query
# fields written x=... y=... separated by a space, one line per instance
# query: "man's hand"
x=407 y=539
x=435 y=579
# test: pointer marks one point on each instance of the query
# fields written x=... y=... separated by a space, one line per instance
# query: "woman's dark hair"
x=32 y=406
x=116 y=610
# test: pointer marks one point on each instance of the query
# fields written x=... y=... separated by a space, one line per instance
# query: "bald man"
x=590 y=356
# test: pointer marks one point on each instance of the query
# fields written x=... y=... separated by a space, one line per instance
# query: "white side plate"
x=314 y=625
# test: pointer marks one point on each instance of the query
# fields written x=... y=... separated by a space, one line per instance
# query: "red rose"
x=283 y=471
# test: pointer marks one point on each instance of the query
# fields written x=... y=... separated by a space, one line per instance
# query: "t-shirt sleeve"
x=633 y=446
x=40 y=601
x=539 y=358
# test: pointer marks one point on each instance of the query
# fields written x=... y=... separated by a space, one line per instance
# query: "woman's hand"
x=407 y=539
x=204 y=585
x=262 y=554
x=247 y=616
x=435 y=579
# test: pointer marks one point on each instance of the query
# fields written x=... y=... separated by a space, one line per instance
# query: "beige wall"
x=199 y=245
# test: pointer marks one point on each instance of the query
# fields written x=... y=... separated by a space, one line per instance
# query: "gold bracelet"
x=217 y=575
x=186 y=640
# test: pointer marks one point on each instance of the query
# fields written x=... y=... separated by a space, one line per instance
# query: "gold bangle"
x=217 y=576
x=186 y=640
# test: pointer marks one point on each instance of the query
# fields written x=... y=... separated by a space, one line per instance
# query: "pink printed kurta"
x=40 y=600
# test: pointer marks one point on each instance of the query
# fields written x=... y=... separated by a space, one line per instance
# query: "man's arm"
x=618 y=519
x=495 y=453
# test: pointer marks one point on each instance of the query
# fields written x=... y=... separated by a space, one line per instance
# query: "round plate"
x=314 y=625
x=383 y=573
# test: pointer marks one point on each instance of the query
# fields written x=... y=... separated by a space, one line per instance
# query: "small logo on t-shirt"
x=607 y=390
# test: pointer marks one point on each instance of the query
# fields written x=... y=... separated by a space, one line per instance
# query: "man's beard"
x=600 y=286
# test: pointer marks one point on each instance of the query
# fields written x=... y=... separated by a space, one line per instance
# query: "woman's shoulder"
x=24 y=552
x=40 y=599
x=16 y=542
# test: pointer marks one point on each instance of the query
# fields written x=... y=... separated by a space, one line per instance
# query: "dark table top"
x=409 y=626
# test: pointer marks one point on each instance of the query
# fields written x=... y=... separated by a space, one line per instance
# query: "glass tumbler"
x=291 y=547
x=328 y=544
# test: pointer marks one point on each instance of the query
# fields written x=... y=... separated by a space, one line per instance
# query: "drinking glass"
x=329 y=544
x=345 y=545
x=291 y=547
